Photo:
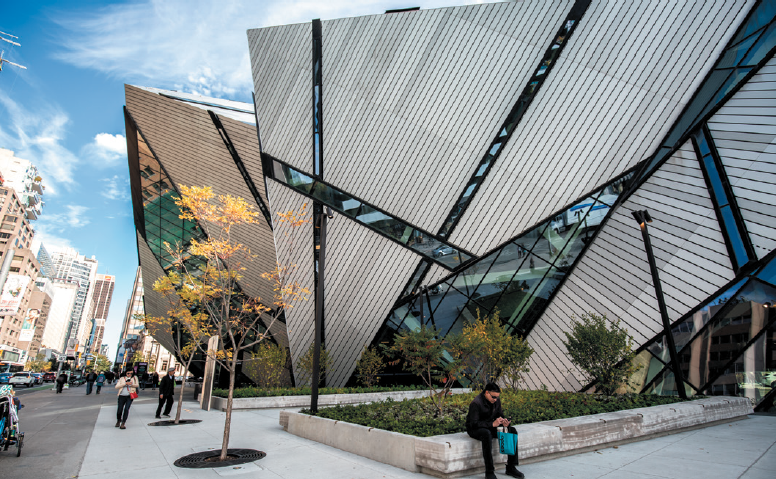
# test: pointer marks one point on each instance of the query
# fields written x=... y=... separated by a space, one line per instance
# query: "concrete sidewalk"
x=742 y=449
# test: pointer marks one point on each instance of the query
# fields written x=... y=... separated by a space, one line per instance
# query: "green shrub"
x=369 y=367
x=601 y=352
x=266 y=365
x=304 y=365
x=417 y=416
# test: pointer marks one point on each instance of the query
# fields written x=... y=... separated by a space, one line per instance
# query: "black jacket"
x=91 y=377
x=167 y=386
x=482 y=413
x=62 y=379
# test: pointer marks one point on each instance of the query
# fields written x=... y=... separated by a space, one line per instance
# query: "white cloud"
x=106 y=150
x=197 y=46
x=52 y=228
x=38 y=137
x=116 y=188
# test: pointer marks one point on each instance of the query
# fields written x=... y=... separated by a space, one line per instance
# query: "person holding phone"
x=127 y=387
x=485 y=415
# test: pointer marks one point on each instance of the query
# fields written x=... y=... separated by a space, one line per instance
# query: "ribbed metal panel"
x=295 y=250
x=412 y=100
x=744 y=131
x=191 y=150
x=365 y=272
x=281 y=62
x=246 y=143
x=613 y=277
x=624 y=77
x=435 y=273
x=155 y=304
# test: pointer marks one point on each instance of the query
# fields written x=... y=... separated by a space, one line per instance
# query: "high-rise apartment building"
x=22 y=176
x=47 y=268
x=60 y=312
x=131 y=338
x=101 y=298
x=72 y=266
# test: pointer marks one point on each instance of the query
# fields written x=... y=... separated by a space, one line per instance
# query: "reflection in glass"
x=768 y=272
x=730 y=329
x=648 y=366
x=665 y=385
x=753 y=373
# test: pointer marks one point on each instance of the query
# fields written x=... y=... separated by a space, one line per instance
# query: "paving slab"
x=742 y=449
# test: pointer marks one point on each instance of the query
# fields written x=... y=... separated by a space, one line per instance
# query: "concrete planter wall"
x=323 y=400
x=453 y=455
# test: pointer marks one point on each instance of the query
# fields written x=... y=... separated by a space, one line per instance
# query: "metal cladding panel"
x=281 y=62
x=744 y=131
x=412 y=100
x=623 y=79
x=155 y=304
x=365 y=273
x=189 y=147
x=247 y=145
x=613 y=277
x=435 y=273
x=295 y=251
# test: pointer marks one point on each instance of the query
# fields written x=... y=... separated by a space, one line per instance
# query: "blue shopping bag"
x=507 y=443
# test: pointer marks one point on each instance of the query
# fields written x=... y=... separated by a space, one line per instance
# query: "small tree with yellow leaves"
x=210 y=291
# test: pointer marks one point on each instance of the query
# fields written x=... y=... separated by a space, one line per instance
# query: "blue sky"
x=64 y=113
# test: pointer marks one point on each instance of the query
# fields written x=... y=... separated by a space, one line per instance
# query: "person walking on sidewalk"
x=90 y=378
x=484 y=416
x=154 y=380
x=100 y=381
x=61 y=380
x=166 y=391
x=127 y=387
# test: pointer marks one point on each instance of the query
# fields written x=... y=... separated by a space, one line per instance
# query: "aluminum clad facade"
x=744 y=131
x=627 y=72
x=613 y=277
x=412 y=100
x=189 y=147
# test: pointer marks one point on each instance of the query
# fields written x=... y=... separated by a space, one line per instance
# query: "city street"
x=57 y=430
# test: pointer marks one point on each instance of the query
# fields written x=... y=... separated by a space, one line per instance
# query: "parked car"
x=4 y=377
x=442 y=251
x=24 y=378
x=49 y=377
x=38 y=378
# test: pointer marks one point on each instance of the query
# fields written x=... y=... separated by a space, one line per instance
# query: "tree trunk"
x=228 y=421
x=183 y=387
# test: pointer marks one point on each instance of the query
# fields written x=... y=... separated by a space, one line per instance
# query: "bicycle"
x=10 y=435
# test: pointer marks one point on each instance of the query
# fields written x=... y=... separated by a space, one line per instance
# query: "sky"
x=64 y=112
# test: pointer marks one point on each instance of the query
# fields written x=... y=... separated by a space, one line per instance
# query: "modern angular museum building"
x=539 y=159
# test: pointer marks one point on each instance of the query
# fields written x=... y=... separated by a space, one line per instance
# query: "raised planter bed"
x=323 y=400
x=453 y=455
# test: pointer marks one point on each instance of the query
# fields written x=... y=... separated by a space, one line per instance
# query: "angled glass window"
x=665 y=385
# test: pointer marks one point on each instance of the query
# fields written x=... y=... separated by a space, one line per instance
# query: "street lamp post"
x=321 y=221
x=643 y=217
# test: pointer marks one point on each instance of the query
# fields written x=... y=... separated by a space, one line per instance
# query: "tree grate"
x=207 y=459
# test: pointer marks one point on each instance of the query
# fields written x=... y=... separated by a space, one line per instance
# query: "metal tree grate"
x=171 y=422
x=201 y=460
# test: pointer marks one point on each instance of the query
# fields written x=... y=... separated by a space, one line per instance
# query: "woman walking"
x=100 y=381
x=127 y=387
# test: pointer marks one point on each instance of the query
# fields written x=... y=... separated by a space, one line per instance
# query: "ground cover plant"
x=254 y=392
x=420 y=417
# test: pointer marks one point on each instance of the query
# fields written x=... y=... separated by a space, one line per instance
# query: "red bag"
x=132 y=395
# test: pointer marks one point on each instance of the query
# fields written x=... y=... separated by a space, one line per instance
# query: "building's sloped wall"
x=613 y=277
x=191 y=150
x=365 y=273
x=607 y=104
x=435 y=273
x=281 y=61
x=155 y=304
x=411 y=101
x=744 y=131
x=246 y=143
x=295 y=250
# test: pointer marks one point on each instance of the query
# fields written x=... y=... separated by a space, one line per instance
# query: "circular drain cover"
x=172 y=422
x=206 y=459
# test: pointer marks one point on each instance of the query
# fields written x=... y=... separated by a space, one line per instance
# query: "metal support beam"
x=322 y=219
x=643 y=217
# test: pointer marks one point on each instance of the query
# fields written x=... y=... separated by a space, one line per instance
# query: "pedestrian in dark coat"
x=485 y=415
x=100 y=381
x=90 y=378
x=166 y=391
x=143 y=381
x=61 y=380
x=155 y=380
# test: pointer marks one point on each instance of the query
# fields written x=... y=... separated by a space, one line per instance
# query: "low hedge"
x=419 y=417
x=254 y=392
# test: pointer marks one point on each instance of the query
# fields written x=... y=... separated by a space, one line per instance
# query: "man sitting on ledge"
x=485 y=415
